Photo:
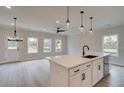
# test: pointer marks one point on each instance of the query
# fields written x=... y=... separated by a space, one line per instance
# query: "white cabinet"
x=86 y=78
x=75 y=81
x=97 y=70
x=95 y=73
x=84 y=75
x=58 y=75
x=100 y=70
x=81 y=79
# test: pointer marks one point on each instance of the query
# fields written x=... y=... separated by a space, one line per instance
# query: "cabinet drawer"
x=76 y=70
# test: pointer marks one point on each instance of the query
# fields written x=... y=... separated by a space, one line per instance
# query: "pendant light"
x=15 y=38
x=91 y=29
x=67 y=21
x=82 y=26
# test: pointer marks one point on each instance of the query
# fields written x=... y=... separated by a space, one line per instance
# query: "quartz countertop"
x=70 y=61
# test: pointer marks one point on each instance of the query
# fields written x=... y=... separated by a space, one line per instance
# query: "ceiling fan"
x=59 y=30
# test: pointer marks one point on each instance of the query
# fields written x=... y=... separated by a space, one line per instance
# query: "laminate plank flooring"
x=36 y=73
x=25 y=74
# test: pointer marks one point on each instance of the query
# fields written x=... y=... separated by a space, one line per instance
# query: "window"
x=32 y=45
x=12 y=45
x=58 y=45
x=47 y=45
x=110 y=45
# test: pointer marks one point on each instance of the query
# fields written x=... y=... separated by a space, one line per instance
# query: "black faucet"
x=84 y=48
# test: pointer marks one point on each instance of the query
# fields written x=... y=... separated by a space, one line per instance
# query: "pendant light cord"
x=15 y=27
x=67 y=12
x=15 y=38
x=91 y=23
x=82 y=18
x=67 y=21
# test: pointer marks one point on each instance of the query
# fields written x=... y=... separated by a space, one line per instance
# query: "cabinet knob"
x=83 y=76
x=99 y=67
x=77 y=70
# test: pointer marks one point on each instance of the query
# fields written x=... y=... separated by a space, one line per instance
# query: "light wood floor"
x=25 y=74
x=37 y=74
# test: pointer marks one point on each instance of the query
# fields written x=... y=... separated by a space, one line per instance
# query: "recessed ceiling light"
x=8 y=7
x=57 y=21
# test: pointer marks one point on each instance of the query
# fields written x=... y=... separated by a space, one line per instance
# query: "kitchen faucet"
x=84 y=48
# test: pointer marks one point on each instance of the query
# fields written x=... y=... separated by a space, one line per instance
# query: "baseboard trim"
x=11 y=62
x=117 y=65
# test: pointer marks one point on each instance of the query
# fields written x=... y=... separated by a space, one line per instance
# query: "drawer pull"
x=99 y=67
x=88 y=65
x=77 y=70
x=83 y=76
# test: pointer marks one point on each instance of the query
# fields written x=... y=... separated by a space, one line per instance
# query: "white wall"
x=74 y=43
x=95 y=43
x=14 y=55
x=2 y=53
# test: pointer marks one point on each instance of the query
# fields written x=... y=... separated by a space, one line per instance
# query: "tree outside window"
x=32 y=45
x=47 y=45
x=58 y=45
x=12 y=45
x=111 y=45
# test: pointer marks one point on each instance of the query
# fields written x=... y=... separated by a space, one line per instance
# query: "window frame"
x=28 y=45
x=49 y=47
x=55 y=45
x=117 y=54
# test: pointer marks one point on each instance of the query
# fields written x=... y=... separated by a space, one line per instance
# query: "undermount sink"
x=89 y=56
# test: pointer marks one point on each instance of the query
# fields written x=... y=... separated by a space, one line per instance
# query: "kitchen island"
x=76 y=71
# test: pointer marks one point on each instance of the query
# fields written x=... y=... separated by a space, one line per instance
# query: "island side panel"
x=106 y=65
x=58 y=75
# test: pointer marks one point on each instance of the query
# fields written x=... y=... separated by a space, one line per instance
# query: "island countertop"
x=70 y=61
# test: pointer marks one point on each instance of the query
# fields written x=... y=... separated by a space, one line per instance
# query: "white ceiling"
x=43 y=18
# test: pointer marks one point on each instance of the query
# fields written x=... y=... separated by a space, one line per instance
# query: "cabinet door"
x=75 y=81
x=95 y=73
x=100 y=70
x=86 y=78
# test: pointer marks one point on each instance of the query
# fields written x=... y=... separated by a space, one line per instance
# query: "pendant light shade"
x=82 y=26
x=91 y=29
x=15 y=38
x=67 y=21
